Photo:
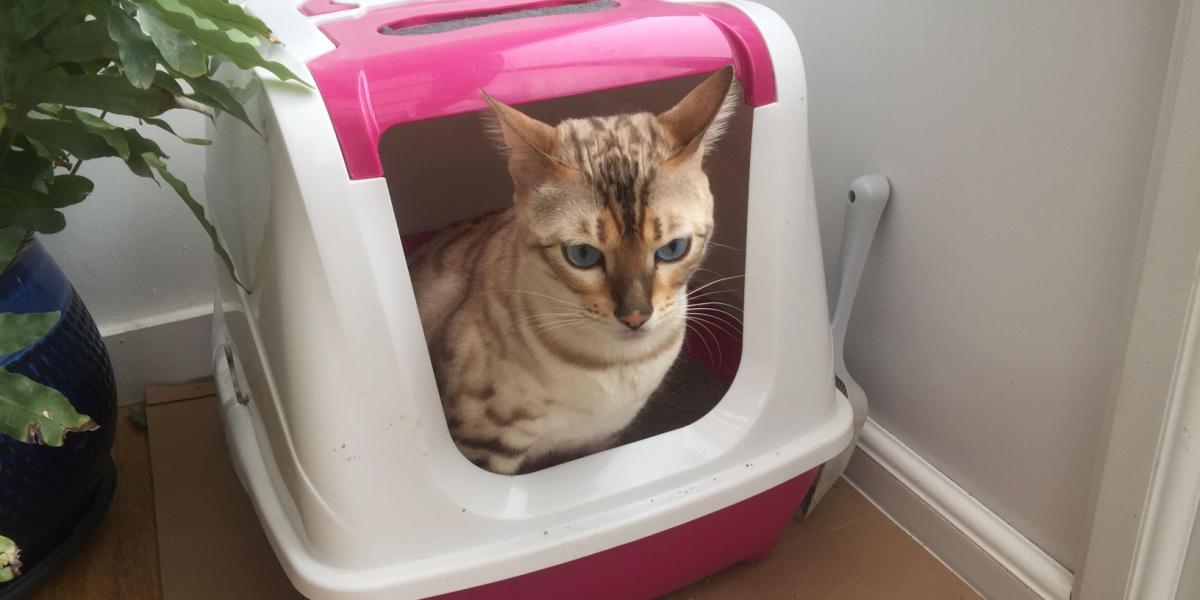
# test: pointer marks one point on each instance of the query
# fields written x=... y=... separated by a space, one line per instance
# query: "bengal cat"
x=550 y=323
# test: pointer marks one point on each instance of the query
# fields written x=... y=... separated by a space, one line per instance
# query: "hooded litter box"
x=331 y=408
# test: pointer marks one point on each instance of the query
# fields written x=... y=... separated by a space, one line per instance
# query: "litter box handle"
x=868 y=197
x=225 y=369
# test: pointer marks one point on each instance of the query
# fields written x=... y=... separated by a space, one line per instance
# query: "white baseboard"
x=983 y=549
x=169 y=348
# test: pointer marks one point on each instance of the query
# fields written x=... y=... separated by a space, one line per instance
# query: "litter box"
x=331 y=408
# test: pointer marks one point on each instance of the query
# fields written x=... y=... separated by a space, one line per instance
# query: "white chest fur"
x=602 y=402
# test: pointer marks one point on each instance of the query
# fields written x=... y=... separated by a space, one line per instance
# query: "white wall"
x=1017 y=136
x=133 y=249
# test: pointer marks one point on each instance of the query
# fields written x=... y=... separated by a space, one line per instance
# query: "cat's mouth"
x=640 y=333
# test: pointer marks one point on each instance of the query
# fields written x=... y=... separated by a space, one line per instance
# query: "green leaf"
x=197 y=210
x=215 y=42
x=138 y=55
x=80 y=43
x=112 y=93
x=3 y=117
x=19 y=331
x=228 y=16
x=10 y=560
x=217 y=95
x=41 y=150
x=179 y=52
x=137 y=165
x=138 y=145
x=180 y=8
x=21 y=167
x=36 y=414
x=11 y=239
x=22 y=20
x=19 y=70
x=66 y=190
x=167 y=82
x=29 y=209
x=165 y=126
x=71 y=136
x=113 y=135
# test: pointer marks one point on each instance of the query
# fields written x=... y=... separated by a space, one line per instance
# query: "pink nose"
x=634 y=320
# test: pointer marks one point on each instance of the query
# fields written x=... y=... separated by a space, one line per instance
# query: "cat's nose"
x=634 y=319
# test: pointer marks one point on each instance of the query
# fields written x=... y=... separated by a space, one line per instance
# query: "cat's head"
x=619 y=208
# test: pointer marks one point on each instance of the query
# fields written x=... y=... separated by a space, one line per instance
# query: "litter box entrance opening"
x=444 y=171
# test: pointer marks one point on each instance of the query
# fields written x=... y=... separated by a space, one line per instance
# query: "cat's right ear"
x=529 y=142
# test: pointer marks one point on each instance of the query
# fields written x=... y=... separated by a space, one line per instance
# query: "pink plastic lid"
x=374 y=80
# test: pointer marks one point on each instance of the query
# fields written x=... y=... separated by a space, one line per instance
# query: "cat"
x=550 y=323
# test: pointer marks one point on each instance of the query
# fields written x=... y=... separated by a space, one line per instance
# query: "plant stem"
x=79 y=162
x=6 y=139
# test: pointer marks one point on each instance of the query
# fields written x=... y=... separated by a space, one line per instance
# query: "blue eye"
x=582 y=256
x=673 y=250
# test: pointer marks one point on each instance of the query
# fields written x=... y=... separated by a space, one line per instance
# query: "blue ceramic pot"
x=46 y=492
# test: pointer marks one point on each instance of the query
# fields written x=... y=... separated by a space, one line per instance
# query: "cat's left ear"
x=697 y=122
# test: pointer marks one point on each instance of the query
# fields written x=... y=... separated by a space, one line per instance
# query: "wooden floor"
x=846 y=550
x=121 y=559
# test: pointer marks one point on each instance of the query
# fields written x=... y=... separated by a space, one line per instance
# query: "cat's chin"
x=626 y=333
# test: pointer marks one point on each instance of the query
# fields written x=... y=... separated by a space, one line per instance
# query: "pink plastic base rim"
x=373 y=81
x=663 y=562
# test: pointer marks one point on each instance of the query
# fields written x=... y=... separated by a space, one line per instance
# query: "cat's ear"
x=697 y=122
x=529 y=142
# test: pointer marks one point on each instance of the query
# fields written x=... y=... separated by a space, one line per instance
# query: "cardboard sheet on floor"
x=210 y=542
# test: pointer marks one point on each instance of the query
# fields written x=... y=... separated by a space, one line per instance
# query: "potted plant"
x=66 y=66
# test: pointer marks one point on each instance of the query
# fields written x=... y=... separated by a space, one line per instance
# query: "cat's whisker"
x=550 y=320
x=714 y=312
x=720 y=357
x=726 y=246
x=704 y=307
x=722 y=317
x=547 y=297
x=707 y=302
x=547 y=315
x=712 y=283
x=540 y=319
x=569 y=323
x=712 y=298
x=700 y=336
x=724 y=327
x=561 y=328
x=717 y=293
x=719 y=307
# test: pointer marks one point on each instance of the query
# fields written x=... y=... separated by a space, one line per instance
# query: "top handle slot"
x=430 y=24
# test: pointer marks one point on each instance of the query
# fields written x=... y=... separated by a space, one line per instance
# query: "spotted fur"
x=534 y=356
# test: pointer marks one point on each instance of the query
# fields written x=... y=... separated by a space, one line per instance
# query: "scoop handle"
x=868 y=196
